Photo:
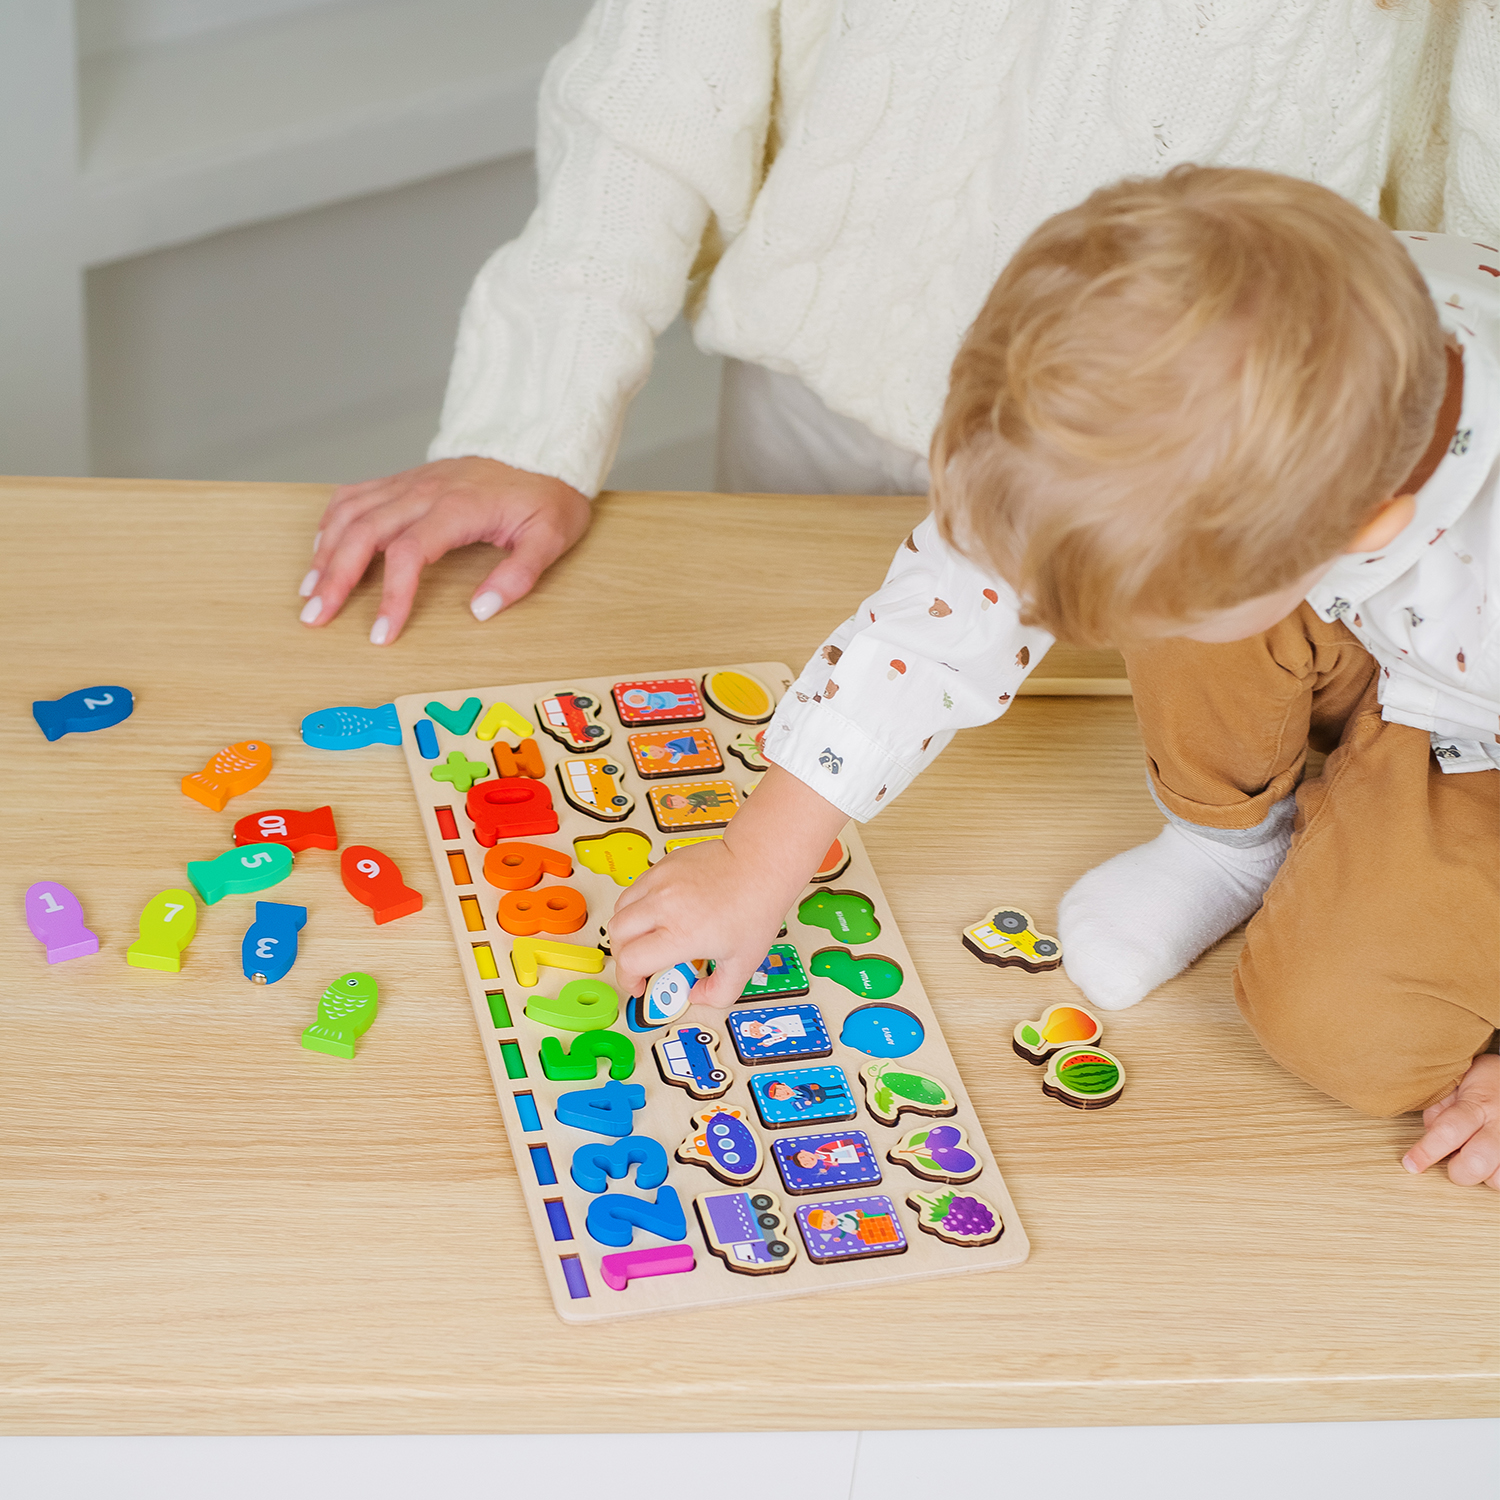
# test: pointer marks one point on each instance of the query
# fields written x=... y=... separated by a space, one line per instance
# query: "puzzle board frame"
x=668 y=1110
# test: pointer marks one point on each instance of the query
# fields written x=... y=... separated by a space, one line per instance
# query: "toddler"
x=1227 y=421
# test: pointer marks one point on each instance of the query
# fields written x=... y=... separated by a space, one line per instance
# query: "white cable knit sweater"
x=834 y=185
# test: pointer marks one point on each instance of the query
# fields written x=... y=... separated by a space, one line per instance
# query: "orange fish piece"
x=235 y=770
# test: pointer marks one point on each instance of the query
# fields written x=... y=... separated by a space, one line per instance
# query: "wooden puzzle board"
x=512 y=1040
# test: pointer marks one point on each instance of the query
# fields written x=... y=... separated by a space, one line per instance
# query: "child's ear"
x=1385 y=525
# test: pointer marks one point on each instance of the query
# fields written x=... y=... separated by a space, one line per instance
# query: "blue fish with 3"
x=79 y=713
x=270 y=946
x=352 y=727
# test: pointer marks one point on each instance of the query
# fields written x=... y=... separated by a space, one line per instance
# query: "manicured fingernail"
x=317 y=542
x=1411 y=1166
x=487 y=604
x=311 y=610
x=309 y=582
x=379 y=631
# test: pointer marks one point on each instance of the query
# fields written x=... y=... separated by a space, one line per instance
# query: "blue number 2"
x=611 y=1217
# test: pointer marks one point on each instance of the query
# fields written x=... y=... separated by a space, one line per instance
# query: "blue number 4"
x=609 y=1110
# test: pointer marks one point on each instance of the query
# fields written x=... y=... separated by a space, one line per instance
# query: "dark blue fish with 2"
x=270 y=946
x=78 y=713
x=352 y=728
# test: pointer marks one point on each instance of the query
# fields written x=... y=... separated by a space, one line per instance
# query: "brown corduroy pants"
x=1372 y=970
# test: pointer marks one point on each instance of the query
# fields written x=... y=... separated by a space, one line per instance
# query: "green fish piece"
x=239 y=871
x=346 y=1011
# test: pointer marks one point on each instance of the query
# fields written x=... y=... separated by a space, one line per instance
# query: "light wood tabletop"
x=206 y=1228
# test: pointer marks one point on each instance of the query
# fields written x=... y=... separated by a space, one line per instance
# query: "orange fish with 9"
x=235 y=770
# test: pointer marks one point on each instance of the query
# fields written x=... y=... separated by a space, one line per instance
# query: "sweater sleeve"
x=651 y=138
x=939 y=648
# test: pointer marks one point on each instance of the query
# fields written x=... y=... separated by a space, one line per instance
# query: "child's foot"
x=1133 y=922
x=1465 y=1127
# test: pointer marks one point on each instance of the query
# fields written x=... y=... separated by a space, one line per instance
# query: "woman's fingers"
x=347 y=558
x=535 y=544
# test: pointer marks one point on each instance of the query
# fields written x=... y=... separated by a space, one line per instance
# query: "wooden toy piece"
x=512 y=808
x=693 y=804
x=802 y=1096
x=696 y=838
x=352 y=728
x=842 y=1229
x=1059 y=1026
x=621 y=855
x=721 y=1140
x=269 y=948
x=867 y=975
x=747 y=1231
x=55 y=916
x=957 y=1218
x=779 y=976
x=668 y=995
x=891 y=1091
x=674 y=752
x=590 y=786
x=1084 y=1077
x=500 y=716
x=83 y=711
x=285 y=825
x=235 y=770
x=606 y=1110
x=621 y=1269
x=581 y=1005
x=596 y=1163
x=529 y=955
x=456 y=720
x=374 y=880
x=580 y=1062
x=882 y=1031
x=554 y=908
x=835 y=862
x=168 y=922
x=848 y=915
x=938 y=1153
x=427 y=740
x=346 y=1011
x=739 y=696
x=236 y=872
x=518 y=867
x=571 y=718
x=779 y=1033
x=446 y=822
x=750 y=749
x=688 y=1058
x=815 y=1163
x=524 y=760
x=459 y=771
x=613 y=1218
x=658 y=700
x=1007 y=939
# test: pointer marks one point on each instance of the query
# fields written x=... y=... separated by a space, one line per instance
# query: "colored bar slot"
x=578 y=1285
x=447 y=823
x=458 y=861
x=526 y=1108
x=474 y=921
x=541 y=1164
x=484 y=957
x=427 y=743
x=515 y=1065
x=557 y=1217
x=499 y=1010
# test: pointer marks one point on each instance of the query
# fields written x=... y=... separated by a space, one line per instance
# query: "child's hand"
x=1465 y=1127
x=725 y=899
x=416 y=516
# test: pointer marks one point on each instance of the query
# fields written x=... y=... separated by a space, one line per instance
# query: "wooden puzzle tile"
x=500 y=716
x=168 y=923
x=891 y=1091
x=1084 y=1077
x=621 y=1269
x=835 y=862
x=580 y=1062
x=589 y=784
x=269 y=948
x=882 y=1031
x=510 y=809
x=779 y=976
x=456 y=720
x=346 y=1011
x=558 y=909
x=374 y=880
x=668 y=994
x=524 y=760
x=286 y=825
x=55 y=916
x=581 y=1005
x=572 y=719
x=802 y=1096
x=739 y=696
x=459 y=771
x=938 y=1153
x=688 y=1057
x=529 y=955
x=867 y=975
x=693 y=804
x=721 y=1140
x=848 y=915
x=235 y=770
x=83 y=711
x=427 y=740
x=658 y=700
x=352 y=728
x=850 y=1229
x=778 y=1033
x=1006 y=938
x=956 y=1217
x=747 y=1231
x=696 y=838
x=621 y=855
x=750 y=750
x=236 y=872
x=1059 y=1026
x=518 y=867
x=815 y=1163
x=597 y=1163
x=613 y=1218
x=606 y=1110
x=673 y=752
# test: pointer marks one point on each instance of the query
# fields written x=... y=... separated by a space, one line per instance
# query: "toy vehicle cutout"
x=668 y=994
x=1006 y=937
x=745 y=1230
x=570 y=718
x=590 y=786
x=686 y=1057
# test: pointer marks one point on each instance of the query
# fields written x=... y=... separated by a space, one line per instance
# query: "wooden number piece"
x=529 y=955
x=235 y=770
x=613 y=1218
x=606 y=1110
x=555 y=908
x=510 y=808
x=580 y=1063
x=269 y=948
x=595 y=1163
x=374 y=880
x=168 y=923
x=55 y=917
x=236 y=872
x=286 y=825
x=581 y=1005
x=620 y=1270
x=82 y=711
x=346 y=1011
x=518 y=867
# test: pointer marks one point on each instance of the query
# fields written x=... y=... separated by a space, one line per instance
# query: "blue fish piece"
x=87 y=709
x=270 y=946
x=352 y=728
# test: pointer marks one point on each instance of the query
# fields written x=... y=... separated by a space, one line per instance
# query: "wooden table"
x=205 y=1228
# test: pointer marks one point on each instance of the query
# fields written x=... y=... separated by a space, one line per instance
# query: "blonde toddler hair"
x=1186 y=392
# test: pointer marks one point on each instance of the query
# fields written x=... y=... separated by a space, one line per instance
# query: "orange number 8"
x=554 y=908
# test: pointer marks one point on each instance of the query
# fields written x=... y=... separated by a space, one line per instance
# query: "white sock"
x=1136 y=920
